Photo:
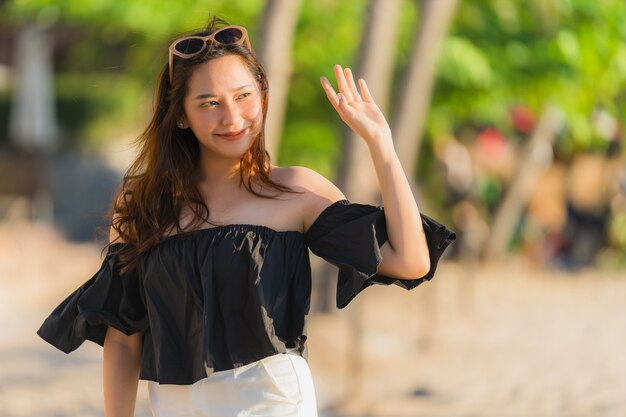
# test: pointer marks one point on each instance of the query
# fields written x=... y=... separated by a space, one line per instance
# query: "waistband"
x=238 y=369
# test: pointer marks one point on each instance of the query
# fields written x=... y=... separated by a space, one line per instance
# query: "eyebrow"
x=207 y=95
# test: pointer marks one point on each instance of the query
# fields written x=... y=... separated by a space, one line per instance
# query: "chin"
x=235 y=152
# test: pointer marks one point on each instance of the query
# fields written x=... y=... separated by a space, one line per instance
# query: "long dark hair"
x=160 y=182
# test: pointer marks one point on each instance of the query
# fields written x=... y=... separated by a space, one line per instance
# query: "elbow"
x=419 y=269
x=410 y=270
x=416 y=267
x=407 y=266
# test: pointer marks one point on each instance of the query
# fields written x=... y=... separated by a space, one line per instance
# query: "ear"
x=181 y=122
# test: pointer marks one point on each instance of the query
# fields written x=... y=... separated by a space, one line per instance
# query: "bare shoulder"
x=318 y=192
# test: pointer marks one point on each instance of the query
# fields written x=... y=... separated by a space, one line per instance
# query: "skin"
x=231 y=101
x=121 y=362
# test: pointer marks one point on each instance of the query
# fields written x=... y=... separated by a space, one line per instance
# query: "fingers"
x=347 y=88
x=350 y=81
x=366 y=92
x=342 y=83
x=330 y=92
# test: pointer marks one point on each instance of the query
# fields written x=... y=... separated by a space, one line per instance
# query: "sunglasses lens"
x=189 y=45
x=229 y=36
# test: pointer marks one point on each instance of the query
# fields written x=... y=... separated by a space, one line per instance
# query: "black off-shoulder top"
x=220 y=298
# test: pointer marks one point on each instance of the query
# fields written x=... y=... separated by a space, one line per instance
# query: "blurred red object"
x=523 y=119
x=491 y=143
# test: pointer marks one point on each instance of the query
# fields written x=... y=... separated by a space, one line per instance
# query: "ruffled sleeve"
x=349 y=235
x=109 y=298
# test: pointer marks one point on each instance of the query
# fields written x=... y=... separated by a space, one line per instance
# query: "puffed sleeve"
x=109 y=298
x=349 y=235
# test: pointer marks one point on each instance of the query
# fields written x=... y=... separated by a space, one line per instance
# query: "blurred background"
x=509 y=117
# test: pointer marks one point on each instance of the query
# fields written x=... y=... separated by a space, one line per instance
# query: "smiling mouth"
x=233 y=135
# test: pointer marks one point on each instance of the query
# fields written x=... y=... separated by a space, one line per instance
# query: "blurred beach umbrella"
x=32 y=123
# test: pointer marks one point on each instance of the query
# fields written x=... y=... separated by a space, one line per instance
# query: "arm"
x=122 y=356
x=121 y=364
x=405 y=255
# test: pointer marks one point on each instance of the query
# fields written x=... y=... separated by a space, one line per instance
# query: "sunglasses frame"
x=205 y=39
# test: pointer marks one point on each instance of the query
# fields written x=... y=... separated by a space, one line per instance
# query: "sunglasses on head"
x=190 y=46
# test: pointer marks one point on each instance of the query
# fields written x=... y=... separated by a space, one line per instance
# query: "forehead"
x=220 y=75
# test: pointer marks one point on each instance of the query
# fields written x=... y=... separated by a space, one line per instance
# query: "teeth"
x=233 y=134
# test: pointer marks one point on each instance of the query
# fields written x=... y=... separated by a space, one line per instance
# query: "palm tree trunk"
x=278 y=31
x=357 y=177
x=414 y=101
x=537 y=156
x=408 y=124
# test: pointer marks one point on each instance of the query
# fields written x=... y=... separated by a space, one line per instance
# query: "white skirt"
x=276 y=386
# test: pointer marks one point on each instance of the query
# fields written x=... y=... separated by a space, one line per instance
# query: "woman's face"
x=223 y=106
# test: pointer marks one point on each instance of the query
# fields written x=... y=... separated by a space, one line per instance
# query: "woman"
x=206 y=284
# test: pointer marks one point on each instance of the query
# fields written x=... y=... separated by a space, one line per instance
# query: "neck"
x=218 y=174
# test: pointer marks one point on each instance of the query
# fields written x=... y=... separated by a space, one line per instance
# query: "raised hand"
x=359 y=111
x=407 y=253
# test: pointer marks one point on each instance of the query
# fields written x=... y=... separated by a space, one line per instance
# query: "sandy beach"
x=503 y=340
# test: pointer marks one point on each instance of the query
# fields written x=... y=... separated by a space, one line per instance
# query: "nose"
x=231 y=114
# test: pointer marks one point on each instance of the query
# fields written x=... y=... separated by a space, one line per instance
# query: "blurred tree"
x=414 y=99
x=503 y=53
x=375 y=64
x=411 y=110
x=150 y=23
x=498 y=53
x=278 y=29
x=357 y=177
x=536 y=158
x=97 y=60
x=498 y=57
x=328 y=33
x=33 y=124
x=506 y=61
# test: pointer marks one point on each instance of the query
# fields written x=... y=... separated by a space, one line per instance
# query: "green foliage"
x=318 y=139
x=153 y=19
x=499 y=53
x=94 y=107
x=128 y=41
x=328 y=33
x=569 y=53
x=128 y=36
x=465 y=66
